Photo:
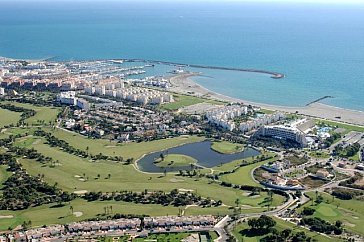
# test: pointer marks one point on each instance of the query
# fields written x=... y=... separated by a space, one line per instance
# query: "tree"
x=237 y=202
x=308 y=211
x=71 y=208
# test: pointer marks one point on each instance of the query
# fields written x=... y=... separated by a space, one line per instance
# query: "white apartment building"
x=285 y=132
x=263 y=120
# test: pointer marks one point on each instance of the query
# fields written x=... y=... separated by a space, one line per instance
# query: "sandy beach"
x=182 y=83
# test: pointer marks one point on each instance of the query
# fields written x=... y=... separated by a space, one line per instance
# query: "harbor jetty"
x=275 y=75
x=318 y=100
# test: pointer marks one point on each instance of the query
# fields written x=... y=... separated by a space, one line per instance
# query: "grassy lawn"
x=225 y=147
x=8 y=117
x=43 y=113
x=186 y=100
x=172 y=237
x=71 y=171
x=296 y=161
x=266 y=111
x=111 y=148
x=319 y=154
x=4 y=174
x=50 y=214
x=241 y=231
x=348 y=127
x=175 y=160
x=243 y=175
x=350 y=212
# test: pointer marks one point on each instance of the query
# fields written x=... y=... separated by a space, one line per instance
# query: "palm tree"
x=109 y=176
x=71 y=208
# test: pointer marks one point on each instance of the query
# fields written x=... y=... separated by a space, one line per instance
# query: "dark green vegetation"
x=61 y=166
x=348 y=151
x=274 y=229
x=330 y=208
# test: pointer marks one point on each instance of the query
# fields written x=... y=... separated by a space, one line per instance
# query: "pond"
x=201 y=151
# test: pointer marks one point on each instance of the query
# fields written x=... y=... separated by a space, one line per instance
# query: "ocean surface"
x=320 y=48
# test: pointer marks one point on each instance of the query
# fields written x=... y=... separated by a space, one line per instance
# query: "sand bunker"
x=78 y=214
x=80 y=192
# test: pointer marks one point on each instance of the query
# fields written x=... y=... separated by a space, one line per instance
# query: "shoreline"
x=182 y=83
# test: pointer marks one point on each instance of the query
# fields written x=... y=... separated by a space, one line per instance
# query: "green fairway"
x=4 y=174
x=185 y=100
x=225 y=147
x=43 y=114
x=111 y=148
x=71 y=172
x=175 y=160
x=241 y=231
x=50 y=214
x=171 y=237
x=243 y=175
x=350 y=212
x=8 y=117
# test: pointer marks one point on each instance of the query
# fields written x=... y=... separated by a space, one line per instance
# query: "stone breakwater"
x=275 y=75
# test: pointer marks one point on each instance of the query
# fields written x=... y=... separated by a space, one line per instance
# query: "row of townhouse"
x=116 y=226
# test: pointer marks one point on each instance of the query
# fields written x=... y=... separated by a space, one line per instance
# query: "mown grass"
x=241 y=231
x=225 y=147
x=43 y=113
x=111 y=148
x=347 y=127
x=122 y=177
x=175 y=160
x=243 y=175
x=350 y=212
x=8 y=117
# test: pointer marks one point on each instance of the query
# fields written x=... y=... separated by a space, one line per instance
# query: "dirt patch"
x=360 y=182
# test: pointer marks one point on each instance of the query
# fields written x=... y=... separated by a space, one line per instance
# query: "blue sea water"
x=320 y=47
